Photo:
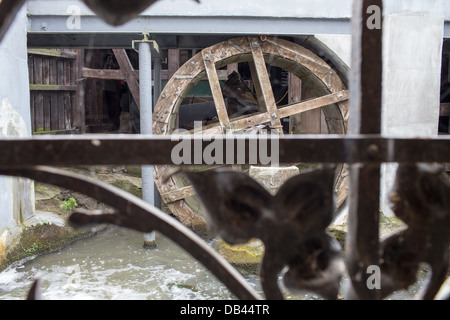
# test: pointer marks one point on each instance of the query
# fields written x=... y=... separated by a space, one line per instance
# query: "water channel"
x=113 y=265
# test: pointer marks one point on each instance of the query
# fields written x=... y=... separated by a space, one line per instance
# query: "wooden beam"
x=178 y=194
x=102 y=74
x=262 y=82
x=53 y=53
x=78 y=101
x=128 y=73
x=295 y=96
x=312 y=104
x=52 y=87
x=116 y=74
x=216 y=89
x=173 y=61
x=244 y=122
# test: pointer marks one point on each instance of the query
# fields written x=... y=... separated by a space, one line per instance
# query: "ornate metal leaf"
x=117 y=12
x=291 y=224
x=421 y=199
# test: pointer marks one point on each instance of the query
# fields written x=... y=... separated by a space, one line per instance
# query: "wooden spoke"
x=312 y=104
x=178 y=194
x=216 y=90
x=262 y=82
x=252 y=50
x=185 y=192
x=287 y=111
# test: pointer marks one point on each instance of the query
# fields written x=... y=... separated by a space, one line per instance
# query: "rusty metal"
x=364 y=191
x=421 y=199
x=132 y=212
x=240 y=209
x=143 y=150
x=118 y=12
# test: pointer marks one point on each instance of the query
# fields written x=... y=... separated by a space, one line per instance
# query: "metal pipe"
x=157 y=88
x=145 y=92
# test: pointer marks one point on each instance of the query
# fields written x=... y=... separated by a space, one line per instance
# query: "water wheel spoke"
x=312 y=104
x=261 y=80
x=178 y=194
x=216 y=90
x=188 y=191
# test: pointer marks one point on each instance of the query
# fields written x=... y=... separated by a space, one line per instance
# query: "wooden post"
x=295 y=95
x=78 y=109
x=173 y=61
x=128 y=73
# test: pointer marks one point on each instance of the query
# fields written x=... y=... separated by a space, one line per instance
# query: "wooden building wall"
x=54 y=91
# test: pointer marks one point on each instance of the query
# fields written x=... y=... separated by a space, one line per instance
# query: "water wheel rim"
x=276 y=52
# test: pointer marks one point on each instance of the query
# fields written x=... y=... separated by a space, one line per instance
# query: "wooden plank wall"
x=53 y=89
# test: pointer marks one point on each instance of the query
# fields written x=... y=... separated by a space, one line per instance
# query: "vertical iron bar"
x=365 y=109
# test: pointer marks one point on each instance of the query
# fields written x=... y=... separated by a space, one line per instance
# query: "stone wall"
x=16 y=195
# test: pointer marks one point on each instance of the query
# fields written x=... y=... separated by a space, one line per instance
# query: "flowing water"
x=114 y=265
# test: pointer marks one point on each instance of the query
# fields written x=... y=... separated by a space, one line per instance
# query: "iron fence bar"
x=137 y=150
x=365 y=106
x=134 y=213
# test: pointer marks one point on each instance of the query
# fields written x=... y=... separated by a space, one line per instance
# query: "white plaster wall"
x=411 y=81
x=16 y=195
x=340 y=44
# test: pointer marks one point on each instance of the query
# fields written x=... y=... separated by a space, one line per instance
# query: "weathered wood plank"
x=312 y=104
x=53 y=53
x=178 y=194
x=216 y=90
x=60 y=95
x=38 y=96
x=103 y=74
x=128 y=72
x=262 y=80
x=47 y=110
x=173 y=61
x=32 y=103
x=52 y=87
x=54 y=115
x=76 y=114
x=295 y=96
x=290 y=110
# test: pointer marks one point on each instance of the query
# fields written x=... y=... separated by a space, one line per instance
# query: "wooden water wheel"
x=258 y=52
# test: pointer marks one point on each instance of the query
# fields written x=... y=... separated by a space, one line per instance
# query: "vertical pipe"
x=145 y=92
x=157 y=87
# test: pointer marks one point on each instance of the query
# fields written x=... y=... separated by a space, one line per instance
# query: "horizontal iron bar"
x=157 y=150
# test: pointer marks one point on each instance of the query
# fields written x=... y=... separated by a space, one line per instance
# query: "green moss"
x=183 y=286
x=40 y=239
x=134 y=171
x=129 y=187
x=245 y=257
x=339 y=235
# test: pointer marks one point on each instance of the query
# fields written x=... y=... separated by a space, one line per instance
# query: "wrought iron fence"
x=293 y=238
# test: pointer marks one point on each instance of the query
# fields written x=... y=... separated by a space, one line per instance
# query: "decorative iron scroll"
x=421 y=199
x=292 y=223
x=133 y=213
